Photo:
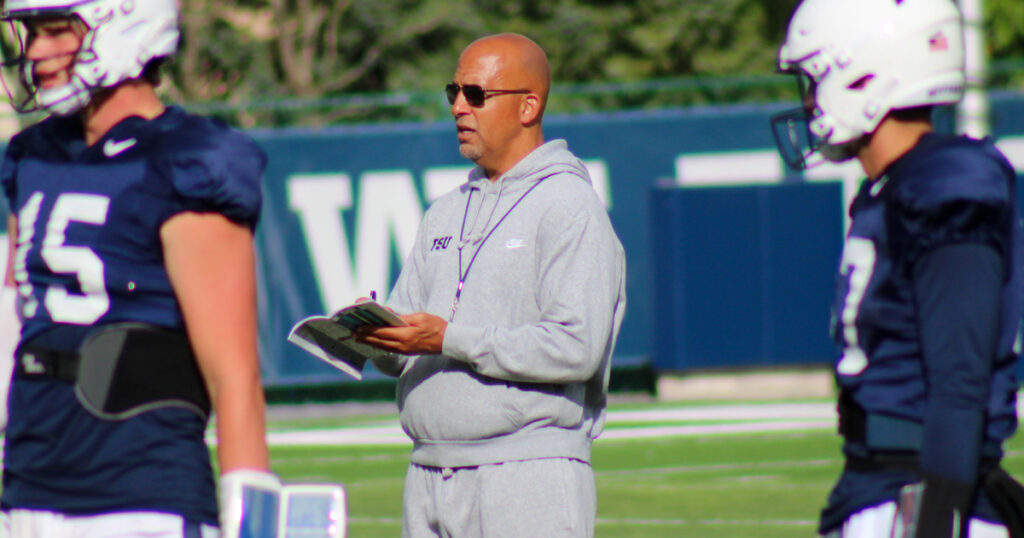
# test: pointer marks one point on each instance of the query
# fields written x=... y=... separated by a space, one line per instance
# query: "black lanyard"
x=462 y=231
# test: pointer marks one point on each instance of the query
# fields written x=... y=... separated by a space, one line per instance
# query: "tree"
x=256 y=51
x=1005 y=41
x=316 y=62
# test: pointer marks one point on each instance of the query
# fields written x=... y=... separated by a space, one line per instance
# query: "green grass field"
x=723 y=485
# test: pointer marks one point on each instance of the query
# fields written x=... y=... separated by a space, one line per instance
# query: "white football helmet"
x=857 y=61
x=122 y=37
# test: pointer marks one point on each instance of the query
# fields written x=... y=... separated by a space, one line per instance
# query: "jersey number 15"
x=64 y=307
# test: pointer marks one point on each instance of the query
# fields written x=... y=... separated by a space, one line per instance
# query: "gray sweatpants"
x=553 y=498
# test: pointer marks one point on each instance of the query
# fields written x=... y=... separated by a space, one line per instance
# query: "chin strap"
x=843 y=152
x=64 y=100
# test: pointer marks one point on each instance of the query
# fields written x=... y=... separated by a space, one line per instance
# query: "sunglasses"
x=475 y=94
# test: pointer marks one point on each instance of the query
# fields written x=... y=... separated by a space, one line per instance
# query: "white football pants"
x=43 y=524
x=879 y=521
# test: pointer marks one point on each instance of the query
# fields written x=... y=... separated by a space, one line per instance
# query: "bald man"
x=514 y=293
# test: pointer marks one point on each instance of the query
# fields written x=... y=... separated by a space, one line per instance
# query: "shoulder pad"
x=9 y=167
x=953 y=190
x=213 y=167
x=955 y=170
x=31 y=140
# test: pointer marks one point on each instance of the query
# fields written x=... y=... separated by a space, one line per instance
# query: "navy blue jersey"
x=951 y=195
x=89 y=254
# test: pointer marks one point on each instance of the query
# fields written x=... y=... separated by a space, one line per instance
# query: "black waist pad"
x=127 y=369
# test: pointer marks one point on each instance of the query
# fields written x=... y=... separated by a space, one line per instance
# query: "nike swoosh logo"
x=878 y=186
x=112 y=148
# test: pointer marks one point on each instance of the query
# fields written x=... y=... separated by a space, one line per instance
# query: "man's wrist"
x=232 y=493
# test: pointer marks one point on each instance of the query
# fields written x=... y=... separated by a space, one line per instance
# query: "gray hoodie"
x=526 y=357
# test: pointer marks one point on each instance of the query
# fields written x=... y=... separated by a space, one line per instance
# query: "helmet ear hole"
x=860 y=83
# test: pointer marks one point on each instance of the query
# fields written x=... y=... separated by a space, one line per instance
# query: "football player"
x=928 y=309
x=134 y=267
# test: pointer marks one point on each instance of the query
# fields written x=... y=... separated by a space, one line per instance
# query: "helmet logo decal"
x=938 y=42
x=946 y=90
x=860 y=83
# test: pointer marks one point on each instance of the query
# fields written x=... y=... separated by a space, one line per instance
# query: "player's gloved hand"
x=945 y=508
x=231 y=492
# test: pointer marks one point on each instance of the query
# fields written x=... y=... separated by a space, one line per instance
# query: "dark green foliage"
x=320 y=62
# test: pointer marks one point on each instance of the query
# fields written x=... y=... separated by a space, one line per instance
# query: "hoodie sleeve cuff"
x=459 y=341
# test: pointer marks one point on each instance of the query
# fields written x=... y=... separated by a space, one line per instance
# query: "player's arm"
x=10 y=327
x=211 y=264
x=957 y=288
x=12 y=242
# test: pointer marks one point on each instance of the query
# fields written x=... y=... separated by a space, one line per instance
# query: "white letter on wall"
x=389 y=212
x=319 y=200
x=389 y=215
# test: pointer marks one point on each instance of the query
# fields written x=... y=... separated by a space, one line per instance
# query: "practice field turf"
x=685 y=484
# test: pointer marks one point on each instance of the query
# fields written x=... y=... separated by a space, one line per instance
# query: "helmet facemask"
x=20 y=79
x=121 y=38
x=808 y=136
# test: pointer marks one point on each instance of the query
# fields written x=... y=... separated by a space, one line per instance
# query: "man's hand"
x=423 y=336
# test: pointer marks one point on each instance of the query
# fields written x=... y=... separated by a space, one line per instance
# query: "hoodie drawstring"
x=463 y=241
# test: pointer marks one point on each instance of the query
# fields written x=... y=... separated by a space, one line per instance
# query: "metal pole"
x=972 y=113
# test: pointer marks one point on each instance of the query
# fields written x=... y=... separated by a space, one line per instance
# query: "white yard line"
x=709 y=522
x=375 y=435
x=621 y=425
x=713 y=429
x=641 y=522
x=824 y=410
x=713 y=467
